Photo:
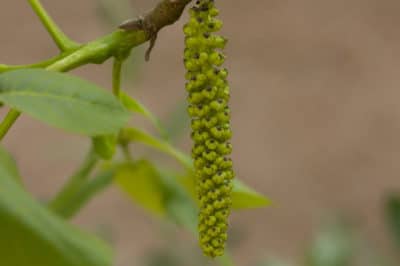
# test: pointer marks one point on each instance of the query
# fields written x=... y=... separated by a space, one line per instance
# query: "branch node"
x=167 y=12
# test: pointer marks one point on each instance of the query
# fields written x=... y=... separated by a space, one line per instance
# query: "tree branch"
x=167 y=12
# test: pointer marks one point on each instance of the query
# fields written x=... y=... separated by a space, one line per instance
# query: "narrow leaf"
x=134 y=134
x=244 y=197
x=135 y=106
x=63 y=101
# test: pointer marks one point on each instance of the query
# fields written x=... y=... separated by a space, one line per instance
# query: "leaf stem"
x=8 y=121
x=116 y=77
x=61 y=201
x=61 y=40
x=42 y=64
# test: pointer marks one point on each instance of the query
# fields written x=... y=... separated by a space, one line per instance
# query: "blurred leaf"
x=137 y=135
x=63 y=101
x=8 y=165
x=157 y=191
x=32 y=235
x=141 y=181
x=135 y=106
x=177 y=121
x=393 y=217
x=105 y=146
x=243 y=197
x=181 y=209
x=334 y=246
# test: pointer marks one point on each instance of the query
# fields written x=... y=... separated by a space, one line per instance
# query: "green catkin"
x=208 y=108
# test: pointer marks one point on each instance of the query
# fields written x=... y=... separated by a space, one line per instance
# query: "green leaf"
x=333 y=246
x=8 y=165
x=158 y=192
x=135 y=106
x=393 y=217
x=141 y=181
x=134 y=134
x=32 y=235
x=63 y=101
x=243 y=197
x=105 y=146
x=181 y=208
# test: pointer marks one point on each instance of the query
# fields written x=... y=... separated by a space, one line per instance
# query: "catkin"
x=210 y=116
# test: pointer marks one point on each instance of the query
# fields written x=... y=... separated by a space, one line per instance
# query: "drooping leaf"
x=135 y=106
x=157 y=191
x=141 y=181
x=137 y=135
x=32 y=235
x=392 y=209
x=8 y=165
x=181 y=208
x=63 y=101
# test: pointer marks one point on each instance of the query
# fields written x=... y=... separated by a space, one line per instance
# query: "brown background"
x=316 y=114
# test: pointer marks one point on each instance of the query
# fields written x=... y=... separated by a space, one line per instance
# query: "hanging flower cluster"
x=210 y=116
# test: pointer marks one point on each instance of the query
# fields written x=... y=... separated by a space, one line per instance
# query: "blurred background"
x=316 y=120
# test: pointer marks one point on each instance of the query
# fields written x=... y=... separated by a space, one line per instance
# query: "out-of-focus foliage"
x=393 y=217
x=333 y=246
x=32 y=235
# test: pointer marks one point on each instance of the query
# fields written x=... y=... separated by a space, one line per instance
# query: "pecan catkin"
x=210 y=116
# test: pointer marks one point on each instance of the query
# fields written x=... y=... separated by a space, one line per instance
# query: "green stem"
x=86 y=192
x=60 y=203
x=116 y=77
x=8 y=121
x=61 y=40
x=43 y=64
